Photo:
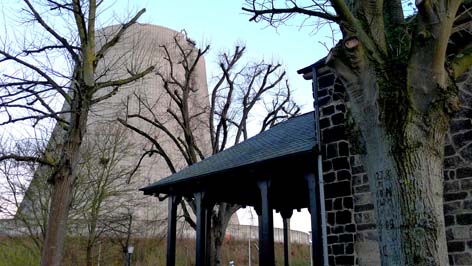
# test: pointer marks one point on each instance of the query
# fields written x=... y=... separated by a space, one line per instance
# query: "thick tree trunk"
x=407 y=186
x=57 y=222
x=220 y=221
x=402 y=112
x=89 y=261
x=62 y=181
x=217 y=240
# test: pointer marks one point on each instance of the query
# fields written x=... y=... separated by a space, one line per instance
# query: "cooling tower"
x=111 y=151
x=141 y=46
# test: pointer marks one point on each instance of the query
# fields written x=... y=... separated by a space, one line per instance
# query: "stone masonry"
x=351 y=221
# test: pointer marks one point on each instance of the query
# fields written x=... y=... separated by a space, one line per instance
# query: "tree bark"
x=403 y=157
x=220 y=221
x=57 y=222
x=63 y=181
x=407 y=187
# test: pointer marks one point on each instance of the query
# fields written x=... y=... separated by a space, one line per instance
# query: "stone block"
x=331 y=260
x=365 y=207
x=327 y=165
x=343 y=217
x=371 y=235
x=461 y=232
x=334 y=134
x=343 y=175
x=326 y=80
x=343 y=148
x=322 y=92
x=357 y=180
x=449 y=234
x=338 y=204
x=451 y=186
x=358 y=169
x=466 y=184
x=332 y=239
x=462 y=139
x=452 y=207
x=358 y=218
x=328 y=205
x=449 y=220
x=451 y=162
x=460 y=125
x=464 y=219
x=327 y=110
x=338 y=229
x=466 y=152
x=338 y=249
x=341 y=163
x=344 y=260
x=346 y=238
x=331 y=218
x=331 y=151
x=362 y=199
x=339 y=88
x=347 y=202
x=349 y=249
x=350 y=228
x=337 y=119
x=341 y=108
x=455 y=196
x=448 y=150
x=464 y=172
x=329 y=177
x=362 y=189
x=362 y=227
x=455 y=246
x=355 y=160
x=468 y=204
x=369 y=217
x=337 y=189
x=368 y=253
x=463 y=259
x=325 y=123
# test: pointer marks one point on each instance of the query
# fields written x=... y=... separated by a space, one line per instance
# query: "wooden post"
x=266 y=227
x=314 y=209
x=201 y=232
x=286 y=214
x=172 y=228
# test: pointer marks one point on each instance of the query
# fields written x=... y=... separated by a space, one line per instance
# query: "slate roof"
x=294 y=136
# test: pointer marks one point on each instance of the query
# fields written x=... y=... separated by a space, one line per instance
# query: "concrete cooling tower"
x=141 y=46
x=111 y=152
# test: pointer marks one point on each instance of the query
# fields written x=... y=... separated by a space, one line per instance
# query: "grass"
x=20 y=252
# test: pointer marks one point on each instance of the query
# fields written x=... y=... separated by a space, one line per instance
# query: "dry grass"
x=18 y=252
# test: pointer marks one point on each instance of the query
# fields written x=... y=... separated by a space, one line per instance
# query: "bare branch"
x=31 y=159
x=63 y=41
x=101 y=53
x=260 y=12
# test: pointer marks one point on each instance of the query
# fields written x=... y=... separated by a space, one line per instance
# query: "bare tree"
x=400 y=70
x=238 y=94
x=35 y=82
x=102 y=199
x=16 y=179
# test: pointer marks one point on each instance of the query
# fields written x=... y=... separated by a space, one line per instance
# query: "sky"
x=222 y=25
